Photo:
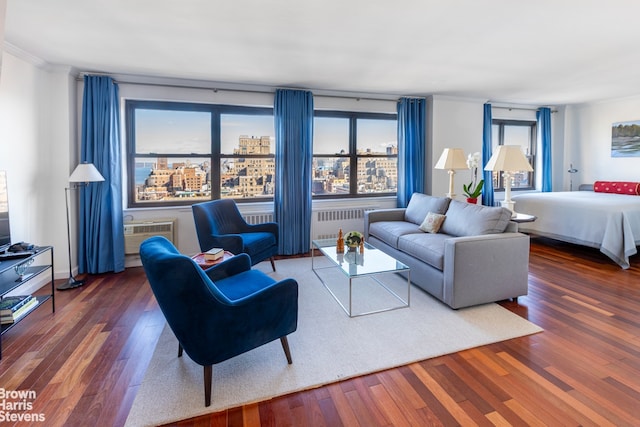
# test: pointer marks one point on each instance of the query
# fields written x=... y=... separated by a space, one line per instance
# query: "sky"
x=161 y=131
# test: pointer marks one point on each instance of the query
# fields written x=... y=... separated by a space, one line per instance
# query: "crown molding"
x=25 y=56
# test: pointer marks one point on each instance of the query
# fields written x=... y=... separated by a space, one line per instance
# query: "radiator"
x=135 y=232
x=259 y=218
x=325 y=223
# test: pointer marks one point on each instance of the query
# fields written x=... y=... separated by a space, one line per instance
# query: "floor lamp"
x=508 y=159
x=83 y=173
x=452 y=159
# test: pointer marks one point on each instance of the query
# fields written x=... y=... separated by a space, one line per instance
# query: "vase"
x=352 y=248
x=472 y=200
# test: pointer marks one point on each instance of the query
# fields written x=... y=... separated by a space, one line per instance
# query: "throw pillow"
x=432 y=222
x=617 y=187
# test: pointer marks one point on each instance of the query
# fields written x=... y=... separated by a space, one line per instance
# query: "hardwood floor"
x=86 y=361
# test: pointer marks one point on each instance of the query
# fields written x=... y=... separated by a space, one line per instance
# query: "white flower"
x=473 y=160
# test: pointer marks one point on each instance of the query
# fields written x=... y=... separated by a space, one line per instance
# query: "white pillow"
x=432 y=222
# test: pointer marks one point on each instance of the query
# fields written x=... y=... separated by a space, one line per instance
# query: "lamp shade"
x=452 y=158
x=508 y=158
x=86 y=172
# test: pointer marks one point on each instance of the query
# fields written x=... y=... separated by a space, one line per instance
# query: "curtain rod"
x=258 y=89
x=519 y=108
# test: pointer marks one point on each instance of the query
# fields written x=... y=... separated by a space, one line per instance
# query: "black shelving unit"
x=34 y=265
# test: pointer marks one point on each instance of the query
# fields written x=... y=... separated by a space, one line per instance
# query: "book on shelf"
x=20 y=312
x=213 y=254
x=10 y=304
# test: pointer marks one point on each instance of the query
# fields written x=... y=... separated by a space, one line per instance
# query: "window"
x=515 y=132
x=354 y=154
x=184 y=153
x=174 y=149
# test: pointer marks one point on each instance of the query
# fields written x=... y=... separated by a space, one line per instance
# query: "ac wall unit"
x=136 y=232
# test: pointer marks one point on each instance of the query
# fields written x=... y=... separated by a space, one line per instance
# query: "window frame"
x=353 y=117
x=533 y=129
x=215 y=155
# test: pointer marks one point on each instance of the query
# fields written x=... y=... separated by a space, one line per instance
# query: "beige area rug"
x=327 y=347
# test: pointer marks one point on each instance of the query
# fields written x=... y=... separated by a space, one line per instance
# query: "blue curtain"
x=487 y=151
x=293 y=115
x=101 y=235
x=543 y=115
x=411 y=148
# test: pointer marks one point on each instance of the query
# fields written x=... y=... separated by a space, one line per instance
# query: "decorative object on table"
x=213 y=254
x=362 y=246
x=340 y=243
x=474 y=188
x=205 y=263
x=21 y=269
x=508 y=159
x=83 y=173
x=352 y=239
x=451 y=159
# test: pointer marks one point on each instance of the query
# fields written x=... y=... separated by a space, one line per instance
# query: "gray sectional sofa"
x=476 y=257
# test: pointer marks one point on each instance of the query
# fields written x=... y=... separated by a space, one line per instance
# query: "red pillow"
x=617 y=187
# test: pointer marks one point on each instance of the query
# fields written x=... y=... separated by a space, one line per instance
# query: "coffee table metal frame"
x=374 y=262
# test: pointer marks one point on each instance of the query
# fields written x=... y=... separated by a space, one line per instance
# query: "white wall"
x=3 y=14
x=453 y=123
x=588 y=136
x=35 y=138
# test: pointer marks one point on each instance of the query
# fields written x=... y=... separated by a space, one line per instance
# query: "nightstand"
x=521 y=217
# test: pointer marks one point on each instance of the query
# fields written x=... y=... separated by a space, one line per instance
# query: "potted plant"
x=474 y=188
x=352 y=239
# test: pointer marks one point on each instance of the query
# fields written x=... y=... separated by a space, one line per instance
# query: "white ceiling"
x=546 y=52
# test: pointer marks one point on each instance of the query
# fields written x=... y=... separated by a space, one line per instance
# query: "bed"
x=609 y=222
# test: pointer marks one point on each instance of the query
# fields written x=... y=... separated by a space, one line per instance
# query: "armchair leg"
x=273 y=264
x=179 y=350
x=208 y=373
x=285 y=346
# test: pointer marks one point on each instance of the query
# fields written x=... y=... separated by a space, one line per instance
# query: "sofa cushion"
x=390 y=231
x=432 y=223
x=426 y=247
x=421 y=204
x=466 y=219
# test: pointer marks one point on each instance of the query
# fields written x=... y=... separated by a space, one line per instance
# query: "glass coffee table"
x=373 y=264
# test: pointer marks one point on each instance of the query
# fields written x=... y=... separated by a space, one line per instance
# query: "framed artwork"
x=625 y=139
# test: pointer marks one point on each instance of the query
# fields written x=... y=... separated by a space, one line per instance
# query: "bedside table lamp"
x=452 y=159
x=508 y=159
x=86 y=173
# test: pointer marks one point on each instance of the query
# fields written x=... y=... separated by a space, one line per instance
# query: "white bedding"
x=609 y=222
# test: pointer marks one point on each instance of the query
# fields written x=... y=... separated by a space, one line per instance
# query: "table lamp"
x=508 y=159
x=86 y=173
x=452 y=159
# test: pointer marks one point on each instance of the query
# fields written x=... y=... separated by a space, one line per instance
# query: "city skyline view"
x=174 y=154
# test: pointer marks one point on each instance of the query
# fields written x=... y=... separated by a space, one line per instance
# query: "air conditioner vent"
x=136 y=232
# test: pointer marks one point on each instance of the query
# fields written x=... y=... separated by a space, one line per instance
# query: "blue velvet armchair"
x=220 y=312
x=220 y=225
